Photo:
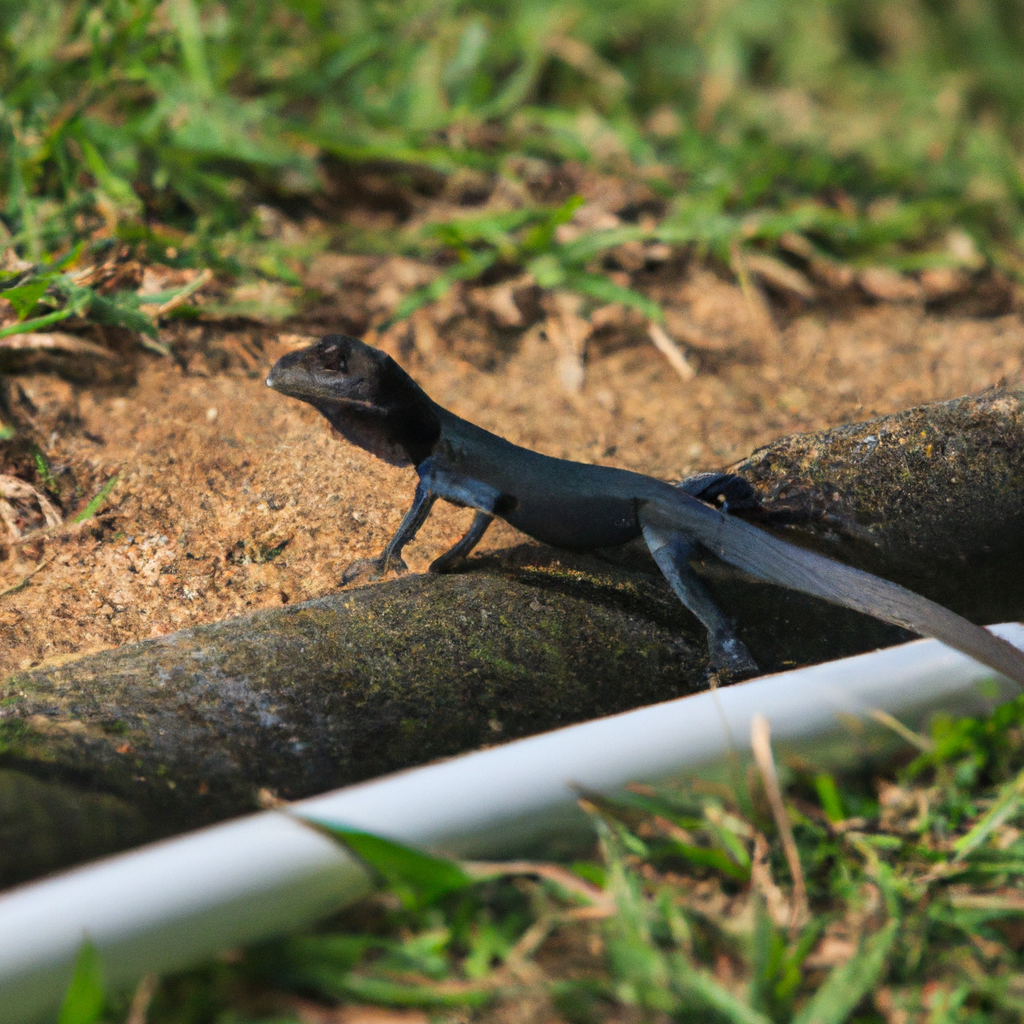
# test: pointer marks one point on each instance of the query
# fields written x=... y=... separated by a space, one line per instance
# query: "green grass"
x=686 y=912
x=882 y=132
x=96 y=503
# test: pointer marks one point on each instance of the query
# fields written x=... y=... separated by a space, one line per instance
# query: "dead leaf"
x=499 y=302
x=568 y=332
x=887 y=285
x=781 y=276
x=822 y=268
x=630 y=256
x=569 y=881
x=424 y=334
x=962 y=247
x=263 y=301
x=657 y=252
x=117 y=274
x=766 y=331
x=308 y=1012
x=240 y=350
x=797 y=244
x=451 y=305
x=54 y=341
x=158 y=277
x=1003 y=899
x=610 y=317
x=943 y=282
x=144 y=992
x=665 y=122
x=331 y=271
x=680 y=325
x=831 y=273
x=760 y=745
x=13 y=489
x=56 y=726
x=394 y=279
x=832 y=950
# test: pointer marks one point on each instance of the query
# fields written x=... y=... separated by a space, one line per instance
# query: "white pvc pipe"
x=170 y=904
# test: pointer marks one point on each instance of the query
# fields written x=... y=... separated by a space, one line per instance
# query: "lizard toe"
x=370 y=569
x=363 y=569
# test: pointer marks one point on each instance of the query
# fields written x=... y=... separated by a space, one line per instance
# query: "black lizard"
x=375 y=404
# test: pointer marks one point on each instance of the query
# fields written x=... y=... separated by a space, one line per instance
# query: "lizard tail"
x=777 y=561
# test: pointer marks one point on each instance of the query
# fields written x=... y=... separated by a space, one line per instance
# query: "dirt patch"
x=232 y=498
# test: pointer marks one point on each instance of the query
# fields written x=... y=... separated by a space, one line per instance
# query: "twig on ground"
x=57 y=341
x=193 y=286
x=760 y=742
x=913 y=738
x=671 y=351
x=138 y=1012
x=59 y=532
x=24 y=580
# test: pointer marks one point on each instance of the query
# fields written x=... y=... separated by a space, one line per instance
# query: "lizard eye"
x=333 y=358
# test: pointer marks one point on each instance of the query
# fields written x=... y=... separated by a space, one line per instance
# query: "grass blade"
x=419 y=878
x=1006 y=804
x=94 y=506
x=28 y=326
x=84 y=999
x=700 y=985
x=848 y=985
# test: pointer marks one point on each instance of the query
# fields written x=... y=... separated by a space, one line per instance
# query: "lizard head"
x=336 y=370
x=367 y=397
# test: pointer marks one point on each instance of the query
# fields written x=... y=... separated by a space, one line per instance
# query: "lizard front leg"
x=391 y=556
x=434 y=483
x=672 y=554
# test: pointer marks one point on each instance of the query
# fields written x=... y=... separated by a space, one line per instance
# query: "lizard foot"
x=730 y=655
x=373 y=568
x=447 y=562
x=726 y=491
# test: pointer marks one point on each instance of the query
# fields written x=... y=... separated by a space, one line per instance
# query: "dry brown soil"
x=233 y=498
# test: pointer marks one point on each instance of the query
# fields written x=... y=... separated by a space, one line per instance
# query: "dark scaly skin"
x=373 y=403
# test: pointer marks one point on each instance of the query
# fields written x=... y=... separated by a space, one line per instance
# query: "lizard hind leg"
x=727 y=491
x=461 y=549
x=726 y=651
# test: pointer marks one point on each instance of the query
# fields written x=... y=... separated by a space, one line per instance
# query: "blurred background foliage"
x=871 y=126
